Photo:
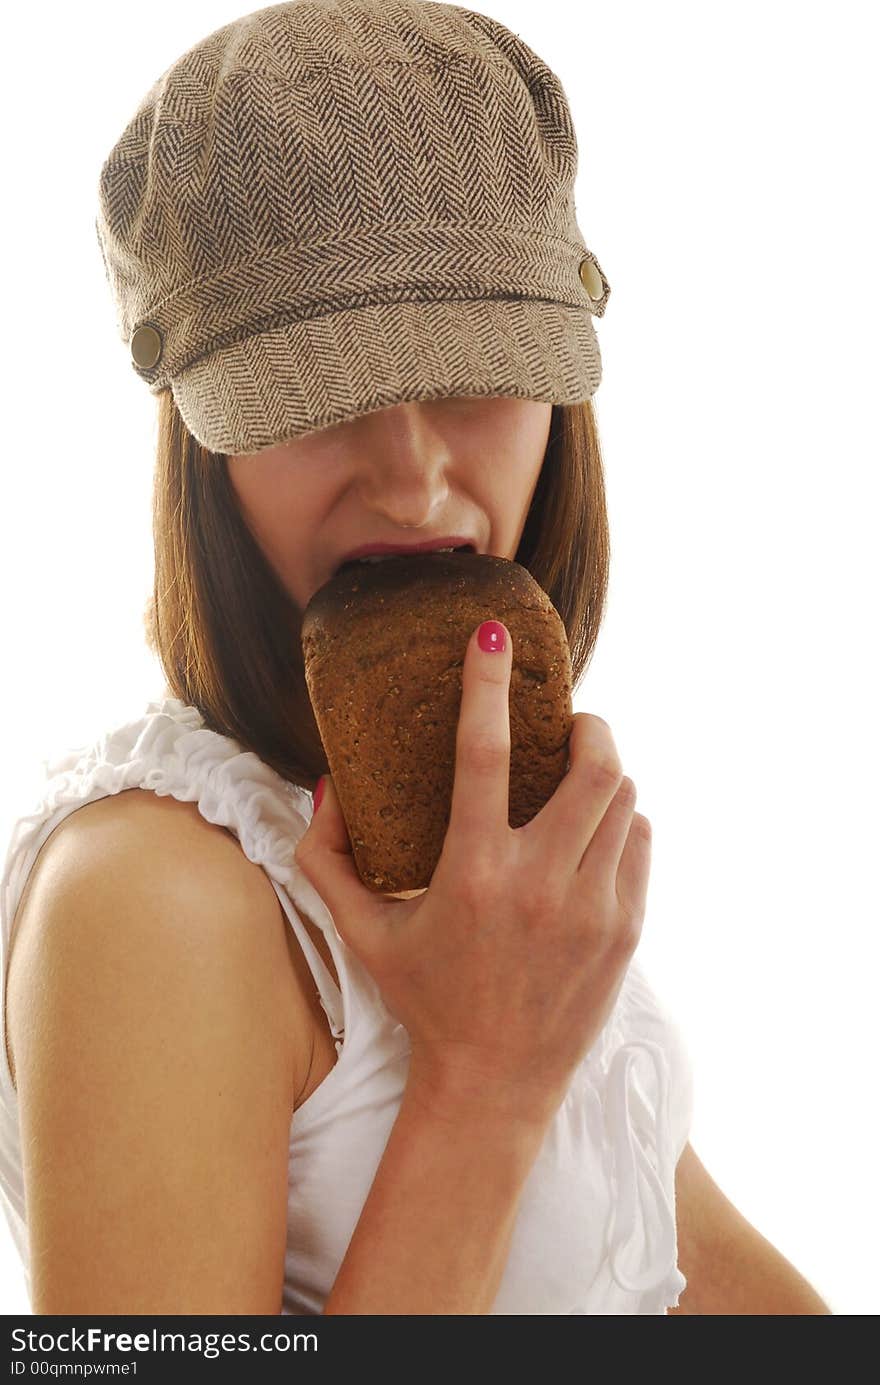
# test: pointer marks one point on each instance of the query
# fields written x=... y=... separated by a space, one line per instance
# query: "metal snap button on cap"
x=591 y=279
x=146 y=347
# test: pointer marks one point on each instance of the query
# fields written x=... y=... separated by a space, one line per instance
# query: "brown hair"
x=227 y=634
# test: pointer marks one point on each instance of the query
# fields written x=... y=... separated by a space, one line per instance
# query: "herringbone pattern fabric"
x=330 y=206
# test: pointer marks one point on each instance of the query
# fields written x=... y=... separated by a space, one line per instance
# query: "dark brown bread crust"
x=383 y=647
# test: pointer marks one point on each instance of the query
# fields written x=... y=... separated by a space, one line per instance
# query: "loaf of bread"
x=383 y=646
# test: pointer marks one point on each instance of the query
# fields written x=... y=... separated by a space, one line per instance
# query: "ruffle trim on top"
x=170 y=751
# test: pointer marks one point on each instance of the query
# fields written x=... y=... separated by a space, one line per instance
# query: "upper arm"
x=704 y=1219
x=729 y=1266
x=147 y=1003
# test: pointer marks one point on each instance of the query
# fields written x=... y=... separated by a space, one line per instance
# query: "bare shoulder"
x=139 y=848
x=137 y=826
x=161 y=817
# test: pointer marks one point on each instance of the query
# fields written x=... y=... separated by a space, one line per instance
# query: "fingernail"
x=492 y=637
x=319 y=793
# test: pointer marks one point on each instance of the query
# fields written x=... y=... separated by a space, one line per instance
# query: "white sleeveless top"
x=595 y=1230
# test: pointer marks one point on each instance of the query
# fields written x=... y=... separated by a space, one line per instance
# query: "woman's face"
x=424 y=469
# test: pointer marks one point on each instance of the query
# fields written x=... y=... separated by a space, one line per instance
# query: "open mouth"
x=374 y=558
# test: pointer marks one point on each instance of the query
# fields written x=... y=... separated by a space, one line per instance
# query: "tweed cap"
x=329 y=207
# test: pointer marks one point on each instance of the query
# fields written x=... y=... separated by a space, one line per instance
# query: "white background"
x=727 y=183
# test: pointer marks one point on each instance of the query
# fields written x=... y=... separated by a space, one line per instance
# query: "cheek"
x=255 y=514
x=524 y=435
x=245 y=491
x=260 y=495
x=282 y=535
x=537 y=433
x=260 y=516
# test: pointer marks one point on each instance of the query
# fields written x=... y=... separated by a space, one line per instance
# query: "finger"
x=634 y=870
x=603 y=855
x=570 y=818
x=324 y=855
x=481 y=787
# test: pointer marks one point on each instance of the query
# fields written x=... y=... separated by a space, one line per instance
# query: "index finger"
x=481 y=787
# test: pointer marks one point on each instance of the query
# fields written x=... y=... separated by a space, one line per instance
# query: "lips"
x=373 y=554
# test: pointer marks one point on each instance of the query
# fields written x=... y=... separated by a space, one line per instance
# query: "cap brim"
x=316 y=372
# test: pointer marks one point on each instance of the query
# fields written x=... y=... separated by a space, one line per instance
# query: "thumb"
x=324 y=855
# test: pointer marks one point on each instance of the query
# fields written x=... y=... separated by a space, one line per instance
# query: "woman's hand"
x=506 y=968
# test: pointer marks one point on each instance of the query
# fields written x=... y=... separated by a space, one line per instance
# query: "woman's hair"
x=227 y=634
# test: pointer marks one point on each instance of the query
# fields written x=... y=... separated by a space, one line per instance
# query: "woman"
x=342 y=243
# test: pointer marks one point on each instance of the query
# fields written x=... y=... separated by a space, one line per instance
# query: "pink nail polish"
x=492 y=637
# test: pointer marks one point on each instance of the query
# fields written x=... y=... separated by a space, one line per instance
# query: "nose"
x=404 y=464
